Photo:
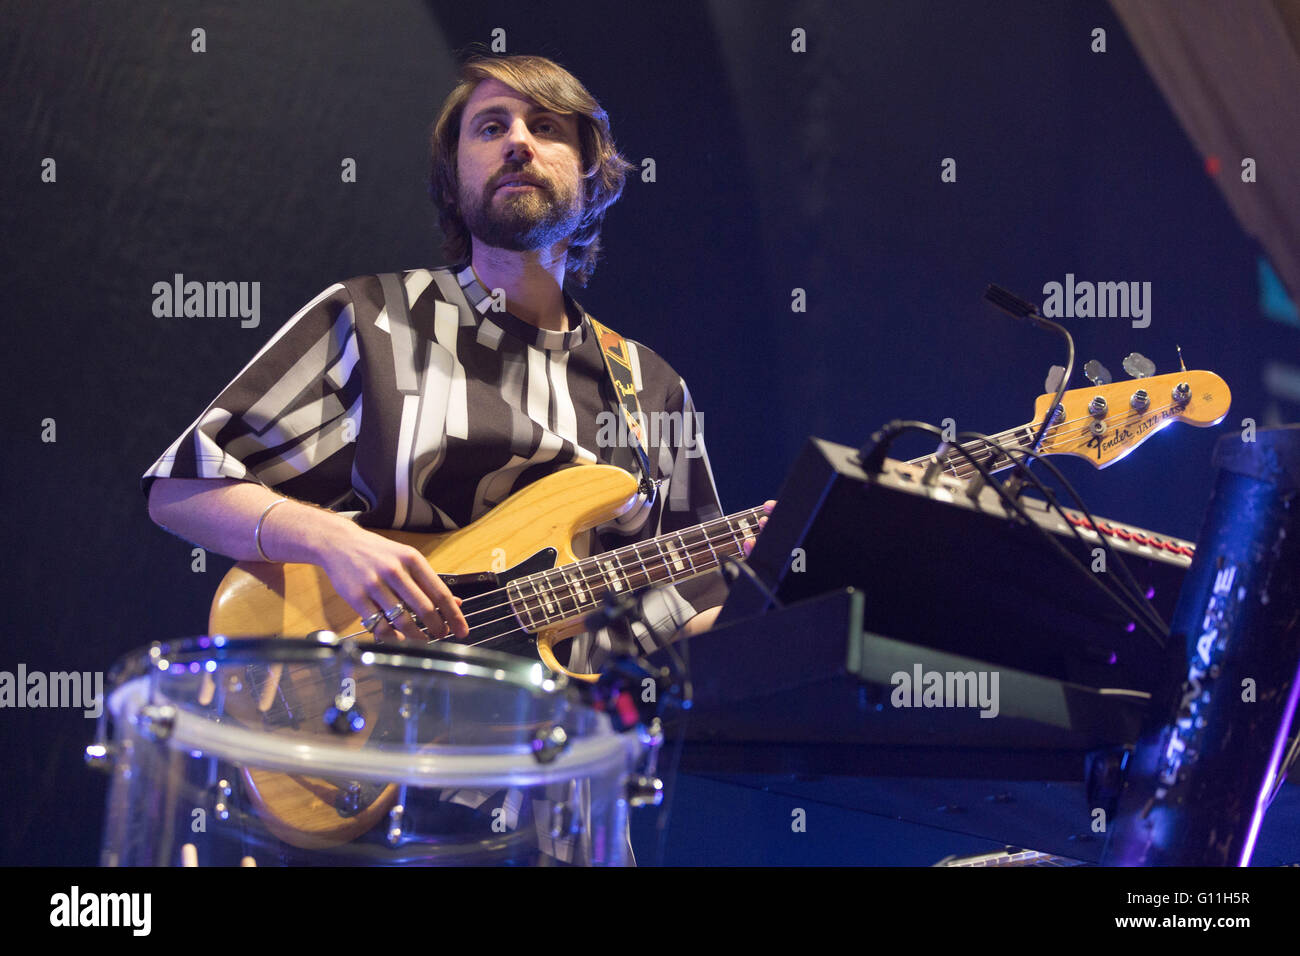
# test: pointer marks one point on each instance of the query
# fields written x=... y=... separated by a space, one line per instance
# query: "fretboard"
x=956 y=465
x=549 y=597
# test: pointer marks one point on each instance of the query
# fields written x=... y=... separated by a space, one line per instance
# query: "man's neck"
x=533 y=282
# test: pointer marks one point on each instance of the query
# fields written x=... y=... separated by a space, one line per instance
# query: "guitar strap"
x=619 y=365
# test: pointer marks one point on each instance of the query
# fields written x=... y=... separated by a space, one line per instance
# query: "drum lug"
x=549 y=742
x=100 y=757
x=395 y=819
x=645 y=792
x=345 y=715
x=221 y=799
x=350 y=801
x=563 y=821
x=156 y=721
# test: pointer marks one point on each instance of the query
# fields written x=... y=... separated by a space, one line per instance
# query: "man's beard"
x=522 y=222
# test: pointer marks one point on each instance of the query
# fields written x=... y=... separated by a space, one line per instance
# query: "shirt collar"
x=482 y=302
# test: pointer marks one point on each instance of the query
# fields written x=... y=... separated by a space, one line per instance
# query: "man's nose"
x=518 y=142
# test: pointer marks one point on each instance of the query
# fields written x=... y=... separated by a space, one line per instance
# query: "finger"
x=402 y=626
x=448 y=604
x=769 y=505
x=421 y=607
x=747 y=545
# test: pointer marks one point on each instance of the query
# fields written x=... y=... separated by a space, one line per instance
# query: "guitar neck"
x=993 y=460
x=551 y=597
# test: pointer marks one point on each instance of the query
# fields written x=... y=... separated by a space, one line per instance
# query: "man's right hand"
x=367 y=570
x=374 y=574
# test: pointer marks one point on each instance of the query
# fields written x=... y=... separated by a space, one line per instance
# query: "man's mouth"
x=518 y=182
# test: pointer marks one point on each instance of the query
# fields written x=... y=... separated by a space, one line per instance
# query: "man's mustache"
x=508 y=173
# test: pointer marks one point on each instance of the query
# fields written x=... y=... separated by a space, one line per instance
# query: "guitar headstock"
x=1103 y=423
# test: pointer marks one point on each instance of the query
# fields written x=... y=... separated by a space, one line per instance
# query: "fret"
x=631 y=574
x=517 y=604
x=686 y=549
x=524 y=610
x=737 y=538
x=708 y=540
x=544 y=597
x=745 y=529
x=673 y=557
x=657 y=561
x=611 y=574
x=581 y=595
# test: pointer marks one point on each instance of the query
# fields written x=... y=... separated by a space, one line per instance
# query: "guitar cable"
x=1134 y=592
x=896 y=428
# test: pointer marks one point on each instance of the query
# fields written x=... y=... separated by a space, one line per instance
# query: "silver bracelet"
x=257 y=532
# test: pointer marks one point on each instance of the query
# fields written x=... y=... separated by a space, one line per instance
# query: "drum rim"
x=446 y=657
x=426 y=766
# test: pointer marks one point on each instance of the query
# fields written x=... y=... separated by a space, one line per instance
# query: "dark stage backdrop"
x=130 y=157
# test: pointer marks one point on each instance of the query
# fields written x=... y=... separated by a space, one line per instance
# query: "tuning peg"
x=1054 y=376
x=1182 y=367
x=1097 y=373
x=1139 y=366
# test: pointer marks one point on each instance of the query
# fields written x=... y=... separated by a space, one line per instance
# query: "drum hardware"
x=221 y=804
x=408 y=711
x=99 y=757
x=395 y=816
x=549 y=742
x=563 y=819
x=156 y=721
x=645 y=792
x=345 y=715
x=351 y=799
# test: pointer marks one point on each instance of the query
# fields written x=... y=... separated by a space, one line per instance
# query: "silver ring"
x=369 y=622
x=394 y=612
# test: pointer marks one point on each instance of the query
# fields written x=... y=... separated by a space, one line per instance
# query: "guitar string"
x=984 y=453
x=957 y=466
x=699 y=554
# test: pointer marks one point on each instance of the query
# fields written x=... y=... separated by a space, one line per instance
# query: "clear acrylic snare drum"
x=269 y=751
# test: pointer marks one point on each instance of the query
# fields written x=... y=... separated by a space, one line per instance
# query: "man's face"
x=519 y=170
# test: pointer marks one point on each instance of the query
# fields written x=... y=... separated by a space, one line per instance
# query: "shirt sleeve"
x=290 y=418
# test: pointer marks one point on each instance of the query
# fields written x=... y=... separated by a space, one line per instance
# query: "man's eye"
x=489 y=129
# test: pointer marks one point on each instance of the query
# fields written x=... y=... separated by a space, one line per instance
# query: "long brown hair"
x=554 y=88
